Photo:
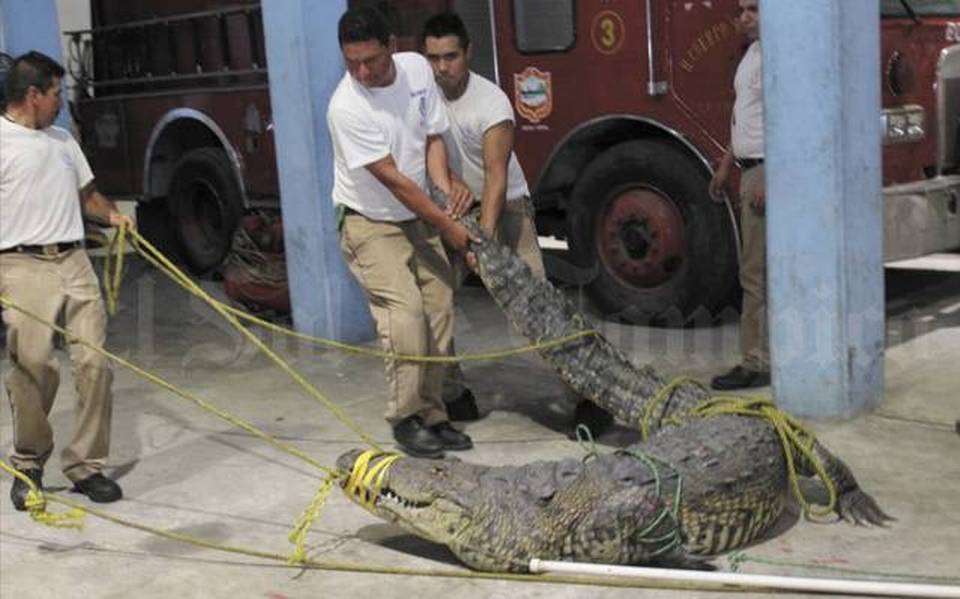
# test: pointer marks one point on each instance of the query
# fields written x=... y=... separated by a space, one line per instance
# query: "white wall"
x=73 y=15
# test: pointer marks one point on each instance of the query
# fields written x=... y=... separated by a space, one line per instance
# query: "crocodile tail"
x=588 y=363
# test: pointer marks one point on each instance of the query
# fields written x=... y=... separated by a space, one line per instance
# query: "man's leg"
x=86 y=454
x=459 y=400
x=33 y=375
x=433 y=276
x=754 y=369
x=754 y=341
x=380 y=256
x=517 y=231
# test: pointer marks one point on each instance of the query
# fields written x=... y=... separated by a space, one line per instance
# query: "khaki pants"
x=404 y=271
x=754 y=340
x=44 y=285
x=516 y=230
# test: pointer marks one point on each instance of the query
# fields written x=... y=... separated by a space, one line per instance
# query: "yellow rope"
x=299 y=535
x=794 y=436
x=113 y=270
x=168 y=386
x=334 y=566
x=154 y=257
x=158 y=259
x=364 y=483
x=375 y=353
x=36 y=503
x=662 y=396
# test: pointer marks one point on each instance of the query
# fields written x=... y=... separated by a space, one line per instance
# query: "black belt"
x=749 y=163
x=50 y=249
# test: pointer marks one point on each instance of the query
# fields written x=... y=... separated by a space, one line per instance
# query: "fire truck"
x=622 y=111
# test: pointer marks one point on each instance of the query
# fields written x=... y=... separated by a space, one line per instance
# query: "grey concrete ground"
x=187 y=471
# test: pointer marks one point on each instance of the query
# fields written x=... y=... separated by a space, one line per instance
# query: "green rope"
x=673 y=538
x=586 y=442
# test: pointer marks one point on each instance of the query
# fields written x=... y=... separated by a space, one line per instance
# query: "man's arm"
x=97 y=207
x=410 y=195
x=719 y=180
x=497 y=147
x=458 y=194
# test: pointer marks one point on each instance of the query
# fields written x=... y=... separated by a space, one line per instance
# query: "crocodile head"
x=497 y=518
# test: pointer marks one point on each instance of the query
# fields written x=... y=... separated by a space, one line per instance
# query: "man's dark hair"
x=444 y=24
x=31 y=69
x=363 y=25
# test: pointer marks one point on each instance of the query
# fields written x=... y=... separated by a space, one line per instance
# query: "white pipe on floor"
x=792 y=583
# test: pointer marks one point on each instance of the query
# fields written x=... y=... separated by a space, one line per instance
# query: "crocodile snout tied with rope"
x=711 y=475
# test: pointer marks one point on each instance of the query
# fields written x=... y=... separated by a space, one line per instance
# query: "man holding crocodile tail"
x=386 y=123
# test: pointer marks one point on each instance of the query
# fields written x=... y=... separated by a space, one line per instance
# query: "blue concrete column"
x=305 y=65
x=32 y=25
x=821 y=78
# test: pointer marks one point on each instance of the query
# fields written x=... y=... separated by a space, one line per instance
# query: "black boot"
x=740 y=378
x=416 y=439
x=463 y=408
x=453 y=439
x=596 y=419
x=18 y=493
x=98 y=488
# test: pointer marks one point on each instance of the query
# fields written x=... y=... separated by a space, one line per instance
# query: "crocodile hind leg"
x=853 y=504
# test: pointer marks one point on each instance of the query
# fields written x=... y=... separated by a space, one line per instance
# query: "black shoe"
x=596 y=419
x=416 y=439
x=463 y=408
x=451 y=437
x=740 y=378
x=18 y=494
x=98 y=488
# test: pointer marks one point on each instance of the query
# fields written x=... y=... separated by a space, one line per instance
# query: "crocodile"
x=699 y=483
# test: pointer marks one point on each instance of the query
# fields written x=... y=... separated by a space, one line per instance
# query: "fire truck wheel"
x=205 y=200
x=665 y=253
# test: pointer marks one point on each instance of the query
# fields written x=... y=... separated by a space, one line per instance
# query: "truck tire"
x=156 y=225
x=206 y=203
x=664 y=252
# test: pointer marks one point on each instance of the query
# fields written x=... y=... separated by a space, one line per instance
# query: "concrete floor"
x=187 y=471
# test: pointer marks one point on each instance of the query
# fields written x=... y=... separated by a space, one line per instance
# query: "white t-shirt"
x=368 y=124
x=747 y=125
x=481 y=106
x=41 y=173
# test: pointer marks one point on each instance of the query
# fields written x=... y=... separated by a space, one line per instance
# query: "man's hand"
x=759 y=197
x=457 y=237
x=471 y=259
x=719 y=182
x=460 y=199
x=118 y=219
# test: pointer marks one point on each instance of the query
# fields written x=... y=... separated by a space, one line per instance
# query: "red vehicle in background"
x=622 y=109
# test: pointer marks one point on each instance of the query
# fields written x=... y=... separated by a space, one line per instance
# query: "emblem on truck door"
x=533 y=94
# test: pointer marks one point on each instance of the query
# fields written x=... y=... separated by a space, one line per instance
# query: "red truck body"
x=623 y=108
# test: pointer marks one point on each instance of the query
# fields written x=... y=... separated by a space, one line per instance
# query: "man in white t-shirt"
x=386 y=121
x=747 y=150
x=480 y=144
x=46 y=188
